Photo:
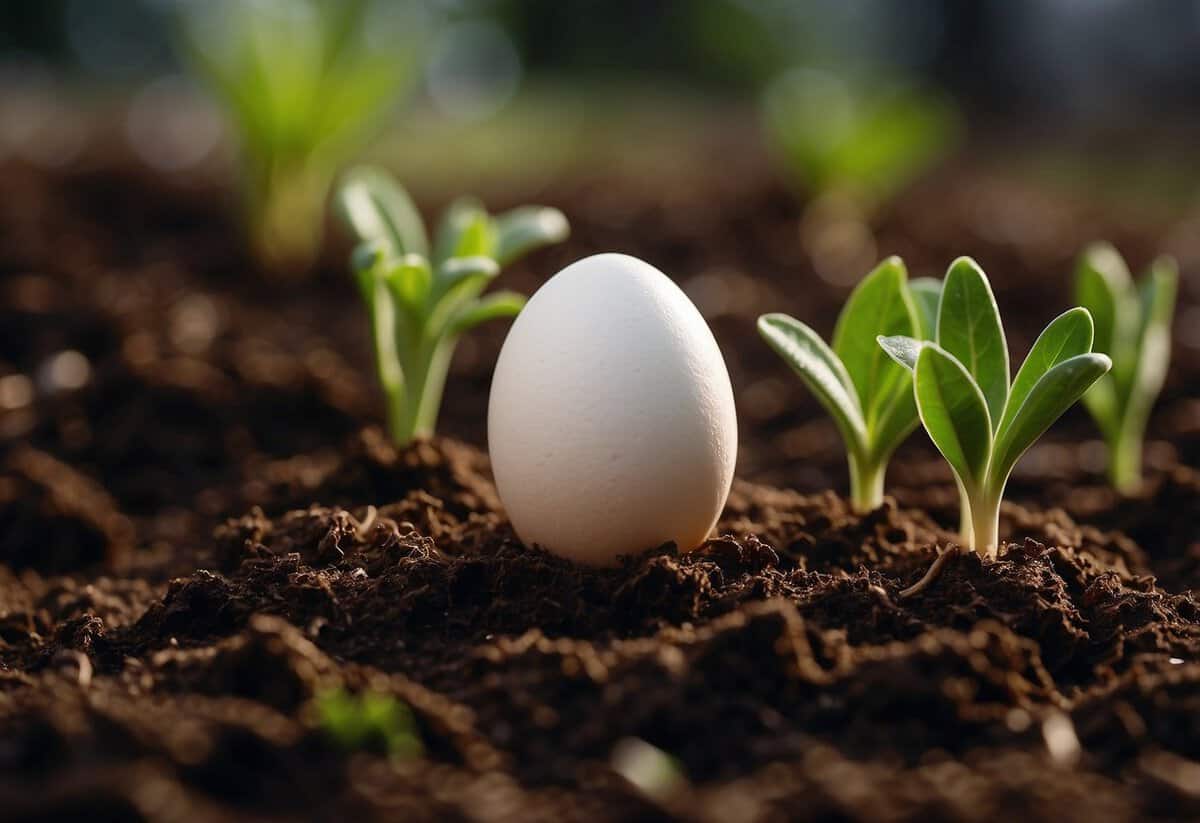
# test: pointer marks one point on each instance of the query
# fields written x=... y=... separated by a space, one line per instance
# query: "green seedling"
x=304 y=83
x=868 y=396
x=1133 y=327
x=421 y=298
x=979 y=420
x=863 y=140
x=369 y=721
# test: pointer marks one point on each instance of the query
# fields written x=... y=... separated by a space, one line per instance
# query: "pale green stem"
x=1125 y=459
x=866 y=484
x=965 y=531
x=985 y=526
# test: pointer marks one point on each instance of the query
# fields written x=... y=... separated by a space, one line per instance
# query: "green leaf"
x=968 y=327
x=1053 y=393
x=409 y=280
x=879 y=305
x=954 y=413
x=926 y=293
x=1068 y=335
x=376 y=208
x=1157 y=294
x=464 y=231
x=490 y=307
x=821 y=370
x=524 y=229
x=1103 y=287
x=904 y=350
x=459 y=280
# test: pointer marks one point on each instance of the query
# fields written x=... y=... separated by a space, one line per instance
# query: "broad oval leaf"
x=954 y=413
x=968 y=327
x=904 y=350
x=819 y=368
x=524 y=229
x=879 y=305
x=1068 y=335
x=378 y=209
x=926 y=293
x=1050 y=396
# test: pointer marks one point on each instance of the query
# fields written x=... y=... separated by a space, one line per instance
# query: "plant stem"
x=414 y=413
x=866 y=484
x=1125 y=460
x=985 y=524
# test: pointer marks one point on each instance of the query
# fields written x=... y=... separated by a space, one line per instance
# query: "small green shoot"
x=370 y=721
x=422 y=297
x=866 y=140
x=1133 y=327
x=979 y=420
x=304 y=83
x=869 y=397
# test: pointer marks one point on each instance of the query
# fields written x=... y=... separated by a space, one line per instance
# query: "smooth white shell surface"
x=611 y=421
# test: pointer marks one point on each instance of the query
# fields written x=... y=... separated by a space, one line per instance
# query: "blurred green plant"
x=869 y=397
x=859 y=139
x=369 y=721
x=422 y=298
x=304 y=84
x=1133 y=327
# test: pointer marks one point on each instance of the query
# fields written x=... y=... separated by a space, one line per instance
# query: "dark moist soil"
x=204 y=529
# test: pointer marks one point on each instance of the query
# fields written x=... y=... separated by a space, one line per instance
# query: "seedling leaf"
x=904 y=350
x=954 y=412
x=1053 y=393
x=879 y=305
x=821 y=370
x=496 y=305
x=380 y=211
x=524 y=229
x=968 y=327
x=926 y=293
x=1068 y=335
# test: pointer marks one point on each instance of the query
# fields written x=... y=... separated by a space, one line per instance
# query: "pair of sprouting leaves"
x=1133 y=326
x=436 y=286
x=868 y=396
x=980 y=421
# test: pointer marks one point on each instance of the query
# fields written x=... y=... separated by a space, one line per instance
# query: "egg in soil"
x=611 y=420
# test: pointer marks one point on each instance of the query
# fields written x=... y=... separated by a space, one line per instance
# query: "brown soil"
x=205 y=530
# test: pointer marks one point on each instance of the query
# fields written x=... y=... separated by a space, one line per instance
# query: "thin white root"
x=931 y=576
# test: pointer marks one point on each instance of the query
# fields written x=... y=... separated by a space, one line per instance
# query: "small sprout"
x=371 y=721
x=304 y=84
x=867 y=140
x=868 y=396
x=1133 y=327
x=979 y=421
x=420 y=298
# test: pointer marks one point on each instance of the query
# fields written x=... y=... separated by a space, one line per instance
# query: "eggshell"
x=611 y=422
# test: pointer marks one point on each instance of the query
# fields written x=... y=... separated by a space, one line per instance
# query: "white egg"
x=611 y=422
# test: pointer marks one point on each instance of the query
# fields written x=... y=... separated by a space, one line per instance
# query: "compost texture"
x=203 y=531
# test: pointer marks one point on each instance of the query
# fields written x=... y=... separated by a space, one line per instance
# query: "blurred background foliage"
x=854 y=97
